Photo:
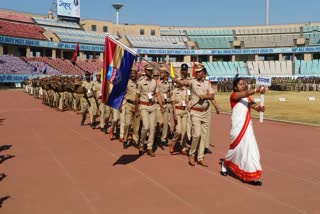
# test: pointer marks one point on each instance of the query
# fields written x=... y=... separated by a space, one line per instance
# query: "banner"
x=263 y=81
x=70 y=8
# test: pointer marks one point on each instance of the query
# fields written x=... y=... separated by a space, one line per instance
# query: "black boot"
x=125 y=145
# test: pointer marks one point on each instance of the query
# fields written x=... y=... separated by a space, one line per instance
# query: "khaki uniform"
x=92 y=108
x=147 y=90
x=163 y=117
x=97 y=88
x=189 y=124
x=129 y=111
x=199 y=116
x=77 y=95
x=207 y=143
x=180 y=100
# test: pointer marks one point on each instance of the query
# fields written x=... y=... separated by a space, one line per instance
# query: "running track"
x=60 y=168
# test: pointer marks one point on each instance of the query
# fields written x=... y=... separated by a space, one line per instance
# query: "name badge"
x=188 y=92
x=183 y=103
x=150 y=95
x=165 y=96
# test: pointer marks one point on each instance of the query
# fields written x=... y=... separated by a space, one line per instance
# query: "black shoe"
x=103 y=130
x=92 y=125
x=125 y=145
x=223 y=173
x=207 y=151
x=255 y=183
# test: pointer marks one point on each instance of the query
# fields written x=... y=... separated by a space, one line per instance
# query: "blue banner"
x=47 y=44
x=149 y=51
x=15 y=78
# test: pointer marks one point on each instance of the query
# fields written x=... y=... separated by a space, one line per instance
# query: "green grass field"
x=297 y=108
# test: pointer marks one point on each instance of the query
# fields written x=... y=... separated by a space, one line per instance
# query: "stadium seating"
x=73 y=35
x=312 y=33
x=225 y=68
x=164 y=32
x=270 y=68
x=211 y=39
x=90 y=65
x=62 y=65
x=14 y=65
x=23 y=30
x=268 y=37
x=15 y=17
x=308 y=68
x=169 y=42
x=56 y=23
x=44 y=68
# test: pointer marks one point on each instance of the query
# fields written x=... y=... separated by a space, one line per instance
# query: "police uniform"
x=130 y=119
x=180 y=102
x=147 y=89
x=199 y=116
x=88 y=102
x=163 y=116
x=184 y=67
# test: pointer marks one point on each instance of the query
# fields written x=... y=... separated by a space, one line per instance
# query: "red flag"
x=75 y=54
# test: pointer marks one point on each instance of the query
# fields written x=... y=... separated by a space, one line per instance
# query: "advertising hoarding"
x=70 y=8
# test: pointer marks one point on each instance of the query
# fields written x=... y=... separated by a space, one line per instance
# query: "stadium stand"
x=19 y=25
x=268 y=37
x=165 y=32
x=56 y=23
x=62 y=65
x=92 y=66
x=212 y=39
x=44 y=68
x=312 y=33
x=73 y=35
x=14 y=65
x=23 y=30
x=308 y=68
x=169 y=42
x=270 y=68
x=15 y=17
x=226 y=68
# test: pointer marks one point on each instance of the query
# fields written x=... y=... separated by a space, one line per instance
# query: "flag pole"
x=132 y=51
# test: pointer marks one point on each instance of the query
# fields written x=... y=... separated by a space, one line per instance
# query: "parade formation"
x=157 y=110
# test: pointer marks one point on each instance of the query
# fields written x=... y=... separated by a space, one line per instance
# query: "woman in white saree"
x=243 y=158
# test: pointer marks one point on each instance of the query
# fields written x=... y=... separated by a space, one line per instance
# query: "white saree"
x=243 y=157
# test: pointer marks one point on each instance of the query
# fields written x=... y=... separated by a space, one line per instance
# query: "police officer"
x=88 y=102
x=129 y=110
x=184 y=76
x=163 y=114
x=180 y=102
x=146 y=91
x=201 y=94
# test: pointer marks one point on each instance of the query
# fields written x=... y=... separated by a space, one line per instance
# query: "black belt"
x=131 y=102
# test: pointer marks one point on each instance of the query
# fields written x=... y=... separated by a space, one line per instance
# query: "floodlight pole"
x=267 y=12
x=117 y=7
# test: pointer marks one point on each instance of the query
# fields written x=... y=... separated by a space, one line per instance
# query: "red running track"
x=61 y=167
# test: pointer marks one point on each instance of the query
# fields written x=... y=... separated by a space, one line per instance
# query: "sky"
x=196 y=13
